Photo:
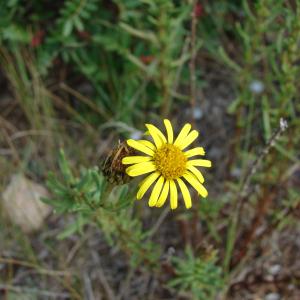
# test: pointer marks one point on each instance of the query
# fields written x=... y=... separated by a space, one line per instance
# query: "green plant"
x=93 y=200
x=200 y=276
x=258 y=111
x=127 y=68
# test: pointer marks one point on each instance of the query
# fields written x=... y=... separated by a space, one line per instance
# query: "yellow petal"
x=196 y=184
x=156 y=191
x=196 y=172
x=140 y=147
x=183 y=134
x=169 y=129
x=194 y=152
x=200 y=163
x=188 y=140
x=141 y=168
x=164 y=194
x=135 y=159
x=148 y=144
x=147 y=182
x=186 y=194
x=173 y=194
x=157 y=135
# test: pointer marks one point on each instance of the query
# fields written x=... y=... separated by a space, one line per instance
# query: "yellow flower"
x=168 y=164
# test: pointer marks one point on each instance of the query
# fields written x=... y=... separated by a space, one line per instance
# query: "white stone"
x=197 y=113
x=256 y=87
x=22 y=204
x=136 y=135
x=275 y=269
x=272 y=296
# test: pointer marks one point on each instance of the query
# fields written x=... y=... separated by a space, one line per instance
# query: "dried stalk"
x=244 y=193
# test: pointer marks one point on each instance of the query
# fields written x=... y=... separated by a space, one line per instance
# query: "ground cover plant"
x=80 y=79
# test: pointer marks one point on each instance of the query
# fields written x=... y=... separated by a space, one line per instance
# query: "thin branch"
x=35 y=291
x=159 y=221
x=192 y=65
x=263 y=153
x=39 y=269
x=101 y=275
x=90 y=103
x=244 y=192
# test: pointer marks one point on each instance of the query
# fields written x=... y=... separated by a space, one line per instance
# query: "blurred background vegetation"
x=83 y=74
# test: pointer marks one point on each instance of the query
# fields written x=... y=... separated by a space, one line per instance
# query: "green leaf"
x=146 y=35
x=65 y=168
x=233 y=106
x=73 y=228
x=227 y=60
x=59 y=205
x=266 y=118
x=78 y=23
x=15 y=33
x=67 y=27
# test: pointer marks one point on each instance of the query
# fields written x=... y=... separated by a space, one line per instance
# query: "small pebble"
x=136 y=135
x=272 y=296
x=275 y=269
x=197 y=113
x=256 y=87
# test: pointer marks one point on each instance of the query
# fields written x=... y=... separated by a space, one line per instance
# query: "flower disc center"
x=170 y=161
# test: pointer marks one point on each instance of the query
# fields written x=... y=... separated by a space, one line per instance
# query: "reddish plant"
x=146 y=59
x=198 y=10
x=37 y=38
